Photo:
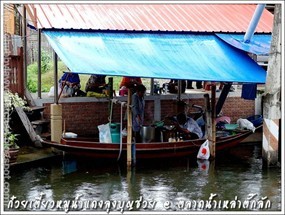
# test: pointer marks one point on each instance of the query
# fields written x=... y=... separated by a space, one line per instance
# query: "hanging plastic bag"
x=105 y=133
x=204 y=151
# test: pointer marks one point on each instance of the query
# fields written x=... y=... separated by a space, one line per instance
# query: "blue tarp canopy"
x=259 y=43
x=190 y=56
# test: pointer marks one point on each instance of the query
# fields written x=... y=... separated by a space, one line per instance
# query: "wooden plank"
x=29 y=98
x=28 y=126
x=37 y=108
x=40 y=122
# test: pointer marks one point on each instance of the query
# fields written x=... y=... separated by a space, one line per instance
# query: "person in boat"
x=138 y=105
x=188 y=127
x=96 y=83
x=129 y=83
x=70 y=83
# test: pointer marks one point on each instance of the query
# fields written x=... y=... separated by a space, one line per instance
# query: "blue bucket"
x=115 y=132
x=256 y=120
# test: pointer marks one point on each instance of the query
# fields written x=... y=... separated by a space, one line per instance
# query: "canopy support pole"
x=223 y=96
x=56 y=109
x=208 y=128
x=110 y=95
x=151 y=86
x=55 y=78
x=213 y=111
x=39 y=64
x=25 y=47
x=129 y=137
x=179 y=90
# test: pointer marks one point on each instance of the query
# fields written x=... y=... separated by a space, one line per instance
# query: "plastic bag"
x=105 y=133
x=51 y=91
x=204 y=151
x=244 y=123
x=64 y=93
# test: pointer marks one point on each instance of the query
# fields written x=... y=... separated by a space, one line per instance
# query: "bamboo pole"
x=129 y=137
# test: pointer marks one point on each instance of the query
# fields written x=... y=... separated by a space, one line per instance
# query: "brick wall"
x=84 y=117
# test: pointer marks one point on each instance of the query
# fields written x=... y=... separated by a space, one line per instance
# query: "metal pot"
x=147 y=134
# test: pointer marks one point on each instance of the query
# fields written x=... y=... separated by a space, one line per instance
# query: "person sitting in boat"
x=96 y=83
x=188 y=127
x=138 y=105
x=69 y=83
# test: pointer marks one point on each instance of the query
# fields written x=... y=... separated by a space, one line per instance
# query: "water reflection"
x=230 y=176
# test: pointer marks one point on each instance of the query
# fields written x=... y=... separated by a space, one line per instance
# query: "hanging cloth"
x=249 y=91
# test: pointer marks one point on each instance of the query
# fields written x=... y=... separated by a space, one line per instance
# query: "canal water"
x=235 y=181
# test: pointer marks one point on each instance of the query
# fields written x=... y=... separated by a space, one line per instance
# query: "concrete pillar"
x=270 y=141
x=56 y=122
x=272 y=95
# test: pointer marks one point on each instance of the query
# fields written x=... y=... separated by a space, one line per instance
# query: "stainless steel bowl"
x=147 y=134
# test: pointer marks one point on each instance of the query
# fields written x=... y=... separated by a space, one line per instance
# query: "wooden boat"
x=153 y=150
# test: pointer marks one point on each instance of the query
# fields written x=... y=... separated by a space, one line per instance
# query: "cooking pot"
x=147 y=134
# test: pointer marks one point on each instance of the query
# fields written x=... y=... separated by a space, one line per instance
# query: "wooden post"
x=25 y=46
x=20 y=77
x=179 y=90
x=129 y=137
x=151 y=86
x=208 y=128
x=55 y=64
x=39 y=64
x=110 y=88
x=213 y=116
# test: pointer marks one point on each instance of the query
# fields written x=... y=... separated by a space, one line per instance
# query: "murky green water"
x=229 y=181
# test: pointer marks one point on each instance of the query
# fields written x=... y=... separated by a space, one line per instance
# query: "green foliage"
x=32 y=79
x=11 y=101
x=47 y=76
x=45 y=61
x=11 y=140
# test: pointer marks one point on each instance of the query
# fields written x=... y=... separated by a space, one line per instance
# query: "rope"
x=121 y=129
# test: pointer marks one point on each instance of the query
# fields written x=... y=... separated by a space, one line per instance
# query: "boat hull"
x=90 y=147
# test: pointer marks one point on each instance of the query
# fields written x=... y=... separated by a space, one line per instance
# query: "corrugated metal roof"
x=190 y=56
x=150 y=17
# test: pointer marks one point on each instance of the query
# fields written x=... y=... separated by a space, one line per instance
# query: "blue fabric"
x=138 y=105
x=249 y=91
x=191 y=56
x=72 y=77
x=259 y=44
